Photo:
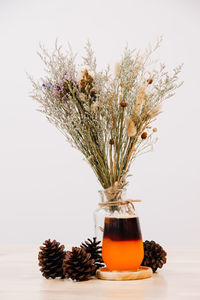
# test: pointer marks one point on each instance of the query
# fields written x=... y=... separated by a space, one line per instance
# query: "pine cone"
x=94 y=249
x=78 y=264
x=154 y=255
x=51 y=258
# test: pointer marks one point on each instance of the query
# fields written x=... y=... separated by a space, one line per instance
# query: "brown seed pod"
x=92 y=92
x=111 y=142
x=89 y=79
x=155 y=129
x=123 y=104
x=149 y=81
x=144 y=135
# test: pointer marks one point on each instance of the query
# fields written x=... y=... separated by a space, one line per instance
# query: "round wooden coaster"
x=141 y=273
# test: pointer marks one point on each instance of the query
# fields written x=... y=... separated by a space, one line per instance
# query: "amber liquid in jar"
x=122 y=247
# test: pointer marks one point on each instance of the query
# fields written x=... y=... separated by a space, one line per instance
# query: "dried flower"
x=131 y=129
x=92 y=92
x=111 y=142
x=82 y=97
x=149 y=81
x=117 y=69
x=144 y=135
x=95 y=107
x=90 y=158
x=139 y=100
x=63 y=90
x=155 y=111
x=86 y=84
x=123 y=104
x=88 y=109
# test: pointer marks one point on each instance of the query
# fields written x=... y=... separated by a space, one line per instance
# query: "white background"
x=46 y=189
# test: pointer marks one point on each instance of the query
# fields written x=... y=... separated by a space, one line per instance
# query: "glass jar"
x=118 y=227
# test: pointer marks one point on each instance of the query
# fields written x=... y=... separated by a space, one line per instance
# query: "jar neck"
x=113 y=193
x=113 y=200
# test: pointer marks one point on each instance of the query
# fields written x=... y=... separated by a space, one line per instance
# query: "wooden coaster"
x=141 y=273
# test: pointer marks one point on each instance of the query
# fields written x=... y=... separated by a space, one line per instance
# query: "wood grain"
x=141 y=273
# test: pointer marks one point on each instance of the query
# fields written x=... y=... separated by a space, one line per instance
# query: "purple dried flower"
x=47 y=87
x=74 y=80
x=63 y=89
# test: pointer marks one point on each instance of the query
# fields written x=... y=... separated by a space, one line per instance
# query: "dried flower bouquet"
x=106 y=117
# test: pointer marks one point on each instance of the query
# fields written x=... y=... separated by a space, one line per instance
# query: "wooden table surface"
x=20 y=279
